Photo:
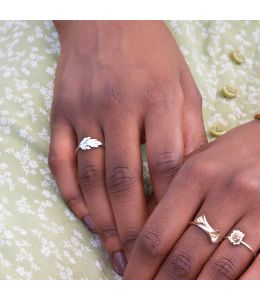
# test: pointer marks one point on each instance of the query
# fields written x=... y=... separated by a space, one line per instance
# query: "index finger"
x=165 y=226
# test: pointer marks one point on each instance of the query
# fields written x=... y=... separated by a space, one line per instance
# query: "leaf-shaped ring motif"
x=87 y=143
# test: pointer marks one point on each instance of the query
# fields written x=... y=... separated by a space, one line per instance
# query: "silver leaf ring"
x=88 y=143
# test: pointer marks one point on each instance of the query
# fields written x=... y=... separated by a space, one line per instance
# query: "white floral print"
x=40 y=238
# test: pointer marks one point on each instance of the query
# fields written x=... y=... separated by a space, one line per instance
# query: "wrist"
x=74 y=33
x=86 y=35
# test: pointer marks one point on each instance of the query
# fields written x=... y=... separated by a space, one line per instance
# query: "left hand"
x=221 y=182
x=124 y=83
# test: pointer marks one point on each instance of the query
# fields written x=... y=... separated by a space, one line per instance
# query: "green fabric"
x=206 y=46
x=39 y=237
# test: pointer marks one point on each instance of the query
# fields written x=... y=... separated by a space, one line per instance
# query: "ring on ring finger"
x=214 y=235
x=87 y=143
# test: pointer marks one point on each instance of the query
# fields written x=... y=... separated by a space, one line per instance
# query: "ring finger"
x=92 y=181
x=229 y=261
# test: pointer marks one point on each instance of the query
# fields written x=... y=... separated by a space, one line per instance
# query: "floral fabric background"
x=39 y=237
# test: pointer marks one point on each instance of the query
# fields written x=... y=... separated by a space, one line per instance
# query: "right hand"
x=124 y=83
x=220 y=181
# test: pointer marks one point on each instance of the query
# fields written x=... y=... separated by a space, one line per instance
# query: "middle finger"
x=124 y=179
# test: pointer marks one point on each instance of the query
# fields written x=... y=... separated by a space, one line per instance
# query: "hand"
x=124 y=83
x=221 y=182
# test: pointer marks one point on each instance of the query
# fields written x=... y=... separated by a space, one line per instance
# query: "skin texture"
x=124 y=83
x=221 y=181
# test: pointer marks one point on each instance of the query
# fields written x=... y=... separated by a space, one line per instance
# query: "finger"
x=253 y=272
x=124 y=180
x=194 y=248
x=229 y=261
x=193 y=125
x=164 y=140
x=152 y=203
x=63 y=166
x=167 y=223
x=92 y=181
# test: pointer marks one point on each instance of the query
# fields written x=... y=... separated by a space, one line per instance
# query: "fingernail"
x=119 y=262
x=87 y=220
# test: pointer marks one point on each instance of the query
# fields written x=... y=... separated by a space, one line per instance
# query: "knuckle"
x=244 y=183
x=86 y=103
x=63 y=90
x=149 y=245
x=129 y=238
x=120 y=179
x=197 y=168
x=73 y=200
x=166 y=164
x=223 y=268
x=54 y=159
x=61 y=107
x=162 y=93
x=107 y=231
x=180 y=265
x=114 y=95
x=90 y=175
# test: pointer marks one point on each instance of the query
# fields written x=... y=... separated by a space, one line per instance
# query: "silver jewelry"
x=236 y=238
x=202 y=223
x=88 y=143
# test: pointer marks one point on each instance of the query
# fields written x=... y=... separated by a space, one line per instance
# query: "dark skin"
x=124 y=83
x=221 y=181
